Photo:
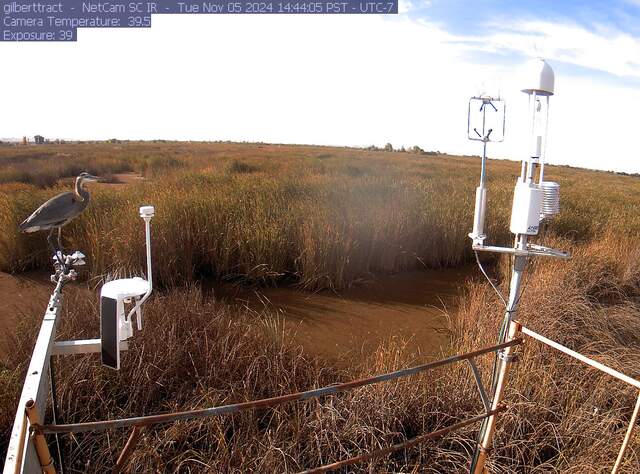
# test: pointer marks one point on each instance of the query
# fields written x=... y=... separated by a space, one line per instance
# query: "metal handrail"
x=603 y=368
x=593 y=363
x=404 y=445
x=263 y=403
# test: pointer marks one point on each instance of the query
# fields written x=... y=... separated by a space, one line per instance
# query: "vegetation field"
x=326 y=218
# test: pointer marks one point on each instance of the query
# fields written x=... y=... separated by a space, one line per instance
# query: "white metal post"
x=505 y=358
x=22 y=457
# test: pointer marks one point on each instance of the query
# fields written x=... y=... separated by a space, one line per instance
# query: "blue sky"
x=482 y=19
x=342 y=79
x=581 y=11
x=464 y=17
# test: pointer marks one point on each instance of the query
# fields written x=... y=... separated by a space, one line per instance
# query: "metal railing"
x=603 y=368
x=28 y=450
x=145 y=421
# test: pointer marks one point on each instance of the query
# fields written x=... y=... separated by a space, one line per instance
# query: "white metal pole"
x=477 y=234
x=22 y=456
x=593 y=363
x=505 y=356
x=544 y=145
x=627 y=437
x=147 y=225
x=138 y=305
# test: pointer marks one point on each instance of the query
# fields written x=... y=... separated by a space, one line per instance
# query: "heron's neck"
x=81 y=193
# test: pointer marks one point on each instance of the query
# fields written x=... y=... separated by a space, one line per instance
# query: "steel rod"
x=487 y=440
x=39 y=441
x=128 y=449
x=627 y=437
x=264 y=403
x=397 y=447
x=500 y=373
x=20 y=451
x=54 y=409
x=580 y=357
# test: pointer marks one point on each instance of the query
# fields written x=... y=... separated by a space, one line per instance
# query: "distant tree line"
x=414 y=149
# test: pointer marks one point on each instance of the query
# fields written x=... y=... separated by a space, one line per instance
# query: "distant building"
x=39 y=139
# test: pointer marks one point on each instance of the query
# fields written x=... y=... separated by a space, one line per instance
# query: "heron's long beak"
x=92 y=178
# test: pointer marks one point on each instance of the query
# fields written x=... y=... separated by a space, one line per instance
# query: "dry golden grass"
x=324 y=217
x=563 y=416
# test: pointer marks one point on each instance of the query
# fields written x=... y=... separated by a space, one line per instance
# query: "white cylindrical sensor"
x=479 y=214
x=525 y=212
x=537 y=150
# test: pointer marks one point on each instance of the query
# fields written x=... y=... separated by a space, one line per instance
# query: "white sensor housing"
x=147 y=211
x=539 y=78
x=525 y=213
x=478 y=235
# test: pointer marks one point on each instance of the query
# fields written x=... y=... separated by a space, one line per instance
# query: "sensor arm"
x=477 y=234
x=146 y=212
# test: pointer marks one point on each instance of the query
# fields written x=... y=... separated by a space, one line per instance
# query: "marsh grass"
x=306 y=215
x=194 y=352
x=322 y=217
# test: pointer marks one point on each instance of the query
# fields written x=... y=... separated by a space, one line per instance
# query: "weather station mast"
x=534 y=201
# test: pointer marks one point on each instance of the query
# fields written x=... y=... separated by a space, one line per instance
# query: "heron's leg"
x=56 y=251
x=59 y=241
x=50 y=241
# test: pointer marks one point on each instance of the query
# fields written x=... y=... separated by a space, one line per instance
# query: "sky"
x=342 y=80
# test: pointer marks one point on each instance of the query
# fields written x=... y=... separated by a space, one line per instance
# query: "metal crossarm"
x=481 y=390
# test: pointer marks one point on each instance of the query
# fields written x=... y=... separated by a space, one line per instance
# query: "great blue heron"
x=59 y=211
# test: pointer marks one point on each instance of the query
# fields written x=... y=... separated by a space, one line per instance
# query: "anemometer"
x=534 y=200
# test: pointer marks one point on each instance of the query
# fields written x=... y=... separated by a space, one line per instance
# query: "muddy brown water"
x=353 y=323
x=20 y=296
x=408 y=306
x=121 y=179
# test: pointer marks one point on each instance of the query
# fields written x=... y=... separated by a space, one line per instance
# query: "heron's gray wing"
x=55 y=211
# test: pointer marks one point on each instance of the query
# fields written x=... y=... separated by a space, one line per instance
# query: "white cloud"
x=342 y=80
x=601 y=48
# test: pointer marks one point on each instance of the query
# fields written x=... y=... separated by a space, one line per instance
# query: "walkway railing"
x=603 y=368
x=28 y=450
x=145 y=421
